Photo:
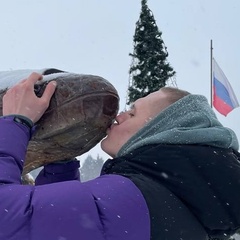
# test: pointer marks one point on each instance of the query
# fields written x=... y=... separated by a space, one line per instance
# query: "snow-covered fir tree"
x=149 y=70
x=91 y=168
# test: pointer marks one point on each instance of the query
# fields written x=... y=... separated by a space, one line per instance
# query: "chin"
x=104 y=145
x=107 y=148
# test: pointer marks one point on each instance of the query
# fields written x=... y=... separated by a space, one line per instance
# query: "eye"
x=131 y=114
x=131 y=110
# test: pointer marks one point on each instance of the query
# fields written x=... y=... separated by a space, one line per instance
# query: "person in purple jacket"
x=174 y=174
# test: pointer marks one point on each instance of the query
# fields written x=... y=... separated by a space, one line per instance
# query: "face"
x=129 y=122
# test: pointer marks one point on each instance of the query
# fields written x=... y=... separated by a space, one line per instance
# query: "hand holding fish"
x=21 y=99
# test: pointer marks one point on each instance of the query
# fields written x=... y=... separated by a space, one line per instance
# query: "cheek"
x=119 y=135
x=111 y=145
x=123 y=133
x=115 y=140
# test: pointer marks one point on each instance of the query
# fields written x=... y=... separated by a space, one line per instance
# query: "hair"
x=174 y=94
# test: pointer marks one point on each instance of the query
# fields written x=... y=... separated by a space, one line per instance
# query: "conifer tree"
x=149 y=70
x=91 y=168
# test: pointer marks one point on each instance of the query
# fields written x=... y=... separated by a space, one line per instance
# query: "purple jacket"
x=108 y=207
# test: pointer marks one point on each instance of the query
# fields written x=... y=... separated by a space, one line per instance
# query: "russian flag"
x=224 y=99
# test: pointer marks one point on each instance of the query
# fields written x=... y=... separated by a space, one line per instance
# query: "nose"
x=121 y=117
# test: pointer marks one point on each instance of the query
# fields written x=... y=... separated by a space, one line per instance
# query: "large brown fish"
x=80 y=111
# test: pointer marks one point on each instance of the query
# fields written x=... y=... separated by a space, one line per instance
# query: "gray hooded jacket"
x=190 y=120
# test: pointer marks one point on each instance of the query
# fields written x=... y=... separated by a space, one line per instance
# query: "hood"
x=188 y=121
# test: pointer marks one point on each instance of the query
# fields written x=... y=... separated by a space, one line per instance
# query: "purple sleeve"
x=14 y=139
x=59 y=172
x=108 y=207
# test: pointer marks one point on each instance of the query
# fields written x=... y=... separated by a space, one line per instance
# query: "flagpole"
x=211 y=73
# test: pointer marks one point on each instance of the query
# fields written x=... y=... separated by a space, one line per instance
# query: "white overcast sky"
x=96 y=36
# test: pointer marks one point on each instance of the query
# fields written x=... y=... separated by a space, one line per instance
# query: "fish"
x=81 y=110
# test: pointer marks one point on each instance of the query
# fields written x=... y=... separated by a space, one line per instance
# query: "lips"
x=114 y=124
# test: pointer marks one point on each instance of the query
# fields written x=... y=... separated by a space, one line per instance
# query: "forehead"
x=153 y=97
x=154 y=102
